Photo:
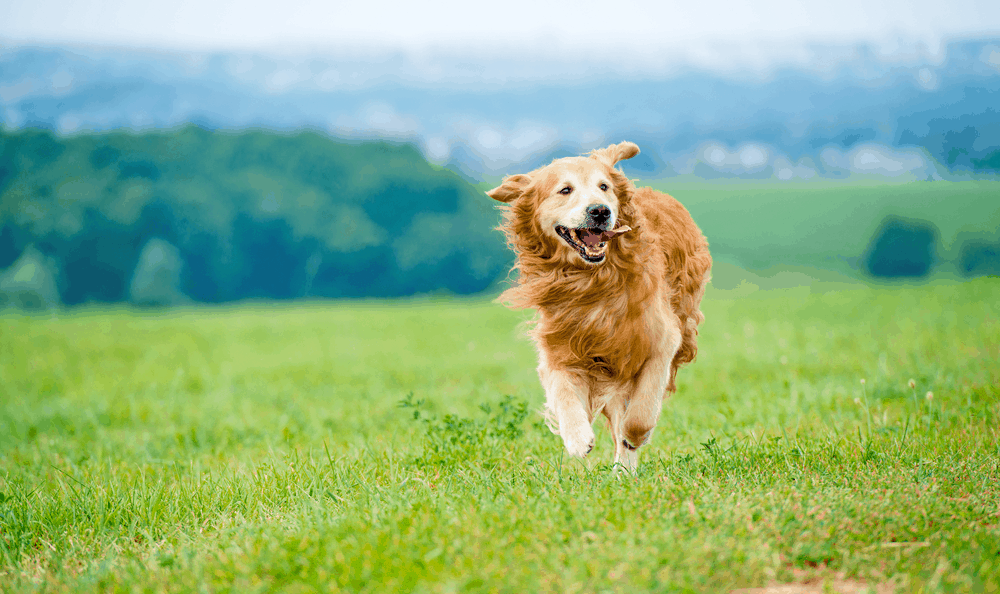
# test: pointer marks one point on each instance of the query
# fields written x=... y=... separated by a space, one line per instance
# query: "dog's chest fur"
x=608 y=338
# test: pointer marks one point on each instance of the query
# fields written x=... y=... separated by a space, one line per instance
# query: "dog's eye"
x=566 y=190
x=604 y=187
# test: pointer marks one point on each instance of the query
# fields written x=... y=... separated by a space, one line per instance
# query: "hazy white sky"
x=583 y=28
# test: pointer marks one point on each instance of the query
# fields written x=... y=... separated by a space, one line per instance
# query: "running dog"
x=616 y=274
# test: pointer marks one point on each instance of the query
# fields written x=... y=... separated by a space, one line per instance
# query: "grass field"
x=829 y=225
x=380 y=447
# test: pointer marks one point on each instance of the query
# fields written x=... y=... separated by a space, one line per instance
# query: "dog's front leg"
x=566 y=395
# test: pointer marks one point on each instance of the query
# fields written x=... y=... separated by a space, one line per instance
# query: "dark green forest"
x=219 y=216
x=193 y=215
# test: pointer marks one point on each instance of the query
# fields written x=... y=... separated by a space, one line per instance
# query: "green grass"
x=377 y=447
x=763 y=225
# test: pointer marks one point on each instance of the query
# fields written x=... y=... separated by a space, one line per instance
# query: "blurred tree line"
x=212 y=216
x=164 y=218
x=911 y=248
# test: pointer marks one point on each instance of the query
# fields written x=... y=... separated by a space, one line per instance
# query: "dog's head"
x=572 y=208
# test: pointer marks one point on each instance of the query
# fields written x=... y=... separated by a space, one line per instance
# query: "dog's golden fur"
x=611 y=334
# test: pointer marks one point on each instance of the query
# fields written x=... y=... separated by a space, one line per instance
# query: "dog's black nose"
x=598 y=214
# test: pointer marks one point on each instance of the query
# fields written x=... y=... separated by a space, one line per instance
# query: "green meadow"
x=395 y=446
x=828 y=224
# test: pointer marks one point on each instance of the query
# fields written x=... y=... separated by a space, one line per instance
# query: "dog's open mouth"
x=591 y=243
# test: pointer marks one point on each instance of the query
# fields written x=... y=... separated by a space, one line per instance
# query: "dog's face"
x=576 y=203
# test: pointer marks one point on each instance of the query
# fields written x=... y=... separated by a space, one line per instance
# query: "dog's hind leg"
x=626 y=457
x=642 y=411
x=566 y=398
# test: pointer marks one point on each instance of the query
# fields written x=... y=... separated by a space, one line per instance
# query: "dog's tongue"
x=591 y=239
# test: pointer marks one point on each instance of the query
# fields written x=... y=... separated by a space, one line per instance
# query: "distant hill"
x=170 y=217
x=214 y=216
x=836 y=226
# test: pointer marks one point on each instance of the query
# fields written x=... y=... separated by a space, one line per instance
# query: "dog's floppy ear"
x=616 y=152
x=510 y=189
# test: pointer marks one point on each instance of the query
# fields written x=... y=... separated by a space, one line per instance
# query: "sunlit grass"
x=265 y=447
x=829 y=224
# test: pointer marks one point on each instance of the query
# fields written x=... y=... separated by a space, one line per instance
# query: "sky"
x=640 y=31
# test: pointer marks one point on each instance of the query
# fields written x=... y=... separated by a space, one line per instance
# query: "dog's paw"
x=578 y=439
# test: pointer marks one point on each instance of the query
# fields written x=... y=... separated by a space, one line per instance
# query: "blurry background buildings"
x=203 y=152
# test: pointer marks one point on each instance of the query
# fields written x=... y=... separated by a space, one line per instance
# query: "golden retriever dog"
x=616 y=275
